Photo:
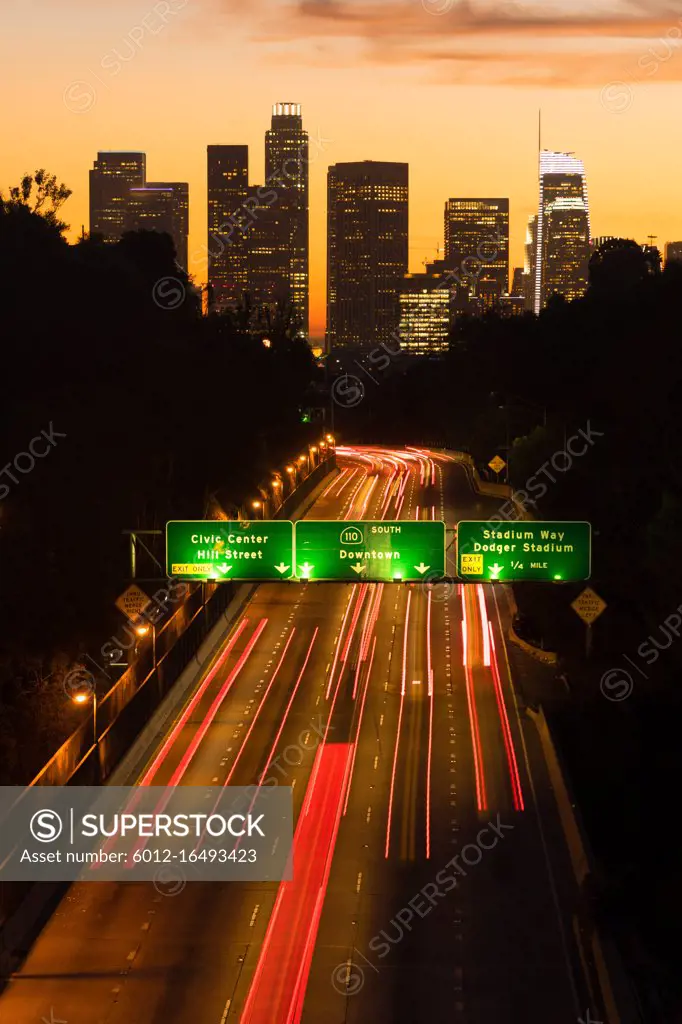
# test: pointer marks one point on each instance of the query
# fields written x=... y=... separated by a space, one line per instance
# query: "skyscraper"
x=477 y=245
x=121 y=199
x=268 y=261
x=367 y=220
x=228 y=186
x=518 y=282
x=673 y=251
x=425 y=313
x=286 y=171
x=149 y=209
x=562 y=176
x=529 y=255
x=110 y=180
x=160 y=206
x=179 y=191
x=566 y=249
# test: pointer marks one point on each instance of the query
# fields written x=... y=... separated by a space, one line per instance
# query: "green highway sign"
x=376 y=550
x=524 y=550
x=215 y=549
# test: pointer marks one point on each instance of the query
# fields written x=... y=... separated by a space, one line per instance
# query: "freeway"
x=431 y=880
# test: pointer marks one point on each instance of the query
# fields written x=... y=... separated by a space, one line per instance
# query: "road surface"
x=431 y=881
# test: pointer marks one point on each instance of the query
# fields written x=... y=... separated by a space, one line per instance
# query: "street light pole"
x=94 y=725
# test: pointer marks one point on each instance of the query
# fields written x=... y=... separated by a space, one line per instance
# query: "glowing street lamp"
x=256 y=505
x=84 y=696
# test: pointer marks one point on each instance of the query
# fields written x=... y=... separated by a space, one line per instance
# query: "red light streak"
x=334 y=483
x=357 y=734
x=182 y=721
x=260 y=707
x=407 y=623
x=279 y=984
x=347 y=481
x=395 y=762
x=484 y=624
x=481 y=798
x=400 y=719
x=338 y=643
x=199 y=735
x=356 y=615
x=213 y=710
x=429 y=676
x=288 y=707
x=512 y=762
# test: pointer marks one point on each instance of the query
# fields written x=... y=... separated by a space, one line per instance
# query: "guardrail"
x=177 y=639
x=121 y=715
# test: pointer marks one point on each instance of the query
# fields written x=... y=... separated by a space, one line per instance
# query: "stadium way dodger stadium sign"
x=556 y=551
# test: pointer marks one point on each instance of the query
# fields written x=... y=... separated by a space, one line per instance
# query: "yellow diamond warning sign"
x=588 y=605
x=132 y=601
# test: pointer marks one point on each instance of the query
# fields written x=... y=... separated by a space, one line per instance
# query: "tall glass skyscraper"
x=367 y=218
x=562 y=176
x=566 y=249
x=286 y=171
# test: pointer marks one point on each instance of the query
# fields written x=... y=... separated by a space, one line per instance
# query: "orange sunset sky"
x=452 y=87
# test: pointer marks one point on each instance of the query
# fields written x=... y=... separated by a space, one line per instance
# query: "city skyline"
x=101 y=91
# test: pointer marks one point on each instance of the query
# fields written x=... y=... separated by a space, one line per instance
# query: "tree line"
x=583 y=403
x=122 y=407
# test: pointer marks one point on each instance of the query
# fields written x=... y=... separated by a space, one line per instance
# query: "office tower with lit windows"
x=149 y=209
x=161 y=206
x=477 y=245
x=286 y=171
x=269 y=264
x=111 y=179
x=566 y=249
x=179 y=203
x=673 y=251
x=562 y=177
x=425 y=313
x=367 y=221
x=228 y=188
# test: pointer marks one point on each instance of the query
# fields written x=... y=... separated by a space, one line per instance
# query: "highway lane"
x=130 y=954
x=482 y=941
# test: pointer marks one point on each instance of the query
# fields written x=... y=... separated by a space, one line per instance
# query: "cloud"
x=539 y=42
